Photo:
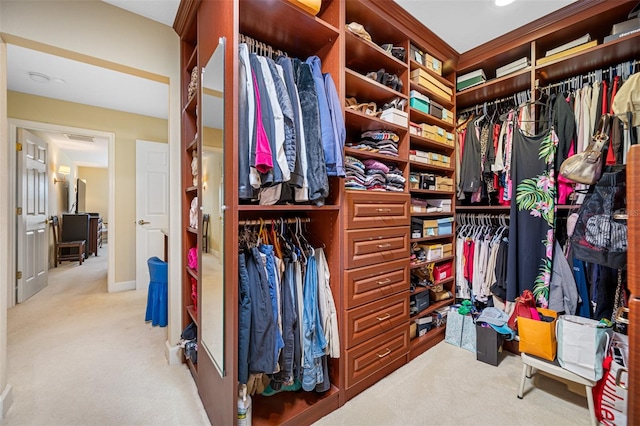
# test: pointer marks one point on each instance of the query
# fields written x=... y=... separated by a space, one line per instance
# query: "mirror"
x=211 y=309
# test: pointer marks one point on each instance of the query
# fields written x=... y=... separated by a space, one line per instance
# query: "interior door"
x=32 y=224
x=152 y=205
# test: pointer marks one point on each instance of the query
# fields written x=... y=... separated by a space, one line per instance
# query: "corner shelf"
x=421 y=142
x=421 y=264
x=415 y=115
x=368 y=90
x=430 y=167
x=447 y=103
x=355 y=120
x=360 y=53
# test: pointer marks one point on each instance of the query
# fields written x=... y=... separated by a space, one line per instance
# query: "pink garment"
x=534 y=314
x=264 y=159
x=565 y=186
x=192 y=258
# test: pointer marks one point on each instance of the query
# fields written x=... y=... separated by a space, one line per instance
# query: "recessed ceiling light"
x=39 y=77
x=504 y=2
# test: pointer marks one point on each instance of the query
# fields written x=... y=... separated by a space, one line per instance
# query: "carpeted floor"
x=80 y=356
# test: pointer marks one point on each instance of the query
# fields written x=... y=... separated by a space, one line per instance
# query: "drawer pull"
x=383 y=282
x=387 y=316
x=387 y=352
x=384 y=245
x=383 y=210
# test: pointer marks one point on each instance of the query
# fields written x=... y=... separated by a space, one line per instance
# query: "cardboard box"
x=443 y=204
x=431 y=83
x=423 y=325
x=433 y=64
x=429 y=131
x=441 y=135
x=450 y=139
x=418 y=302
x=436 y=110
x=447 y=115
x=414 y=181
x=445 y=225
x=415 y=129
x=447 y=250
x=394 y=115
x=433 y=251
x=429 y=228
x=413 y=330
x=417 y=55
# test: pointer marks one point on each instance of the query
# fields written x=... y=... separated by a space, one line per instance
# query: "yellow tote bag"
x=538 y=338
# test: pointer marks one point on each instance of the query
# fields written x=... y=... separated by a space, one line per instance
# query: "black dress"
x=532 y=215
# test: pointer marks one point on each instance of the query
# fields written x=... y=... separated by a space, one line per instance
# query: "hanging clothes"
x=532 y=216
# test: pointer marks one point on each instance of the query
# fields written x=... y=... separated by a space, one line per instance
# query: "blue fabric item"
x=313 y=334
x=326 y=126
x=157 y=308
x=263 y=326
x=267 y=250
x=335 y=168
x=579 y=272
x=505 y=330
x=244 y=320
x=290 y=322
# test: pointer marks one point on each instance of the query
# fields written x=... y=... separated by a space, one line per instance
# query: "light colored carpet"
x=80 y=356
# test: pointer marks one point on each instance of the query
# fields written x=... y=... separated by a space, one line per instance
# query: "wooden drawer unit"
x=364 y=285
x=363 y=211
x=371 y=246
x=373 y=355
x=368 y=321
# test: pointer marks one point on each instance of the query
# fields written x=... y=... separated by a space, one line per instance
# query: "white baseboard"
x=173 y=353
x=123 y=286
x=6 y=399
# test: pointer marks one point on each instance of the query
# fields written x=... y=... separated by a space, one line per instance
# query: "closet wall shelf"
x=422 y=343
x=193 y=273
x=192 y=230
x=288 y=408
x=447 y=103
x=359 y=153
x=495 y=88
x=191 y=145
x=190 y=107
x=423 y=166
x=368 y=90
x=286 y=207
x=431 y=192
x=435 y=237
x=361 y=54
x=192 y=62
x=418 y=116
x=479 y=209
x=190 y=189
x=597 y=57
x=419 y=290
x=433 y=307
x=304 y=32
x=361 y=122
x=414 y=65
x=414 y=214
x=420 y=142
x=421 y=264
x=192 y=313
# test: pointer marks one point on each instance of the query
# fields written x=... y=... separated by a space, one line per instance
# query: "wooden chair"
x=75 y=249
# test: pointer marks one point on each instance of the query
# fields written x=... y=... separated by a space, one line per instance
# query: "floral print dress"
x=531 y=236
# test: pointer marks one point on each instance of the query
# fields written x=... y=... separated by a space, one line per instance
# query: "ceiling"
x=82 y=83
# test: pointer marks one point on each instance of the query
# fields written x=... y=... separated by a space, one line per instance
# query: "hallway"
x=78 y=355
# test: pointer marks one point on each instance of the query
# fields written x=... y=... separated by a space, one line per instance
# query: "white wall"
x=102 y=34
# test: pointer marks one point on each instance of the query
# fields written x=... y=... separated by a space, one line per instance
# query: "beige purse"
x=586 y=167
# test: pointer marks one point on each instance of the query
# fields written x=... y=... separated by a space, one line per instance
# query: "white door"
x=152 y=205
x=32 y=224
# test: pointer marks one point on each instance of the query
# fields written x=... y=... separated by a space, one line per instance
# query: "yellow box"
x=441 y=135
x=447 y=249
x=433 y=64
x=429 y=228
x=431 y=83
x=429 y=131
x=447 y=116
x=450 y=139
x=434 y=251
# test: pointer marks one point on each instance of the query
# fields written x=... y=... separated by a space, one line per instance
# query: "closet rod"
x=260 y=48
x=493 y=102
x=594 y=73
x=289 y=221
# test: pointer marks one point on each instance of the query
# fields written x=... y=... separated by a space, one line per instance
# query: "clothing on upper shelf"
x=291 y=131
x=373 y=175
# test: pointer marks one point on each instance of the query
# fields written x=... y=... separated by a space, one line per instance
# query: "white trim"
x=6 y=399
x=123 y=285
x=173 y=353
x=14 y=124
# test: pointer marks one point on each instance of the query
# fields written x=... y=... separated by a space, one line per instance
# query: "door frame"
x=13 y=125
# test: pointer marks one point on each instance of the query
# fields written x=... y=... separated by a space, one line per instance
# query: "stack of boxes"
x=432 y=158
x=432 y=84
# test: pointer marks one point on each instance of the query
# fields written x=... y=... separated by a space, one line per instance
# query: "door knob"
x=47 y=221
x=143 y=222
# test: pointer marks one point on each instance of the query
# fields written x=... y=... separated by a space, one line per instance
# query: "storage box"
x=443 y=204
x=429 y=131
x=415 y=129
x=440 y=316
x=431 y=83
x=419 y=101
x=396 y=116
x=433 y=251
x=444 y=183
x=416 y=227
x=414 y=181
x=433 y=64
x=423 y=325
x=442 y=271
x=429 y=228
x=447 y=116
x=441 y=135
x=413 y=330
x=418 y=302
x=428 y=181
x=488 y=344
x=436 y=110
x=445 y=225
x=450 y=139
x=417 y=55
x=447 y=249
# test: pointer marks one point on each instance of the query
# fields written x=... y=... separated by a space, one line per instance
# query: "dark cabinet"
x=84 y=226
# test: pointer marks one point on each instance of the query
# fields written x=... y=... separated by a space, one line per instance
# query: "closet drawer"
x=369 y=357
x=364 y=285
x=371 y=246
x=372 y=319
x=365 y=210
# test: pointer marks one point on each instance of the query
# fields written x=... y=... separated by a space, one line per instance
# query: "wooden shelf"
x=285 y=207
x=192 y=230
x=433 y=214
x=357 y=121
x=190 y=107
x=494 y=88
x=191 y=145
x=423 y=166
x=191 y=189
x=431 y=192
x=420 y=142
x=192 y=62
x=361 y=53
x=447 y=103
x=358 y=153
x=419 y=290
x=193 y=314
x=296 y=32
x=423 y=343
x=433 y=307
x=417 y=116
x=482 y=208
x=193 y=273
x=293 y=407
x=435 y=237
x=367 y=90
x=421 y=264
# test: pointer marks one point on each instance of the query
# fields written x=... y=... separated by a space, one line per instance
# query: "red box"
x=442 y=271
